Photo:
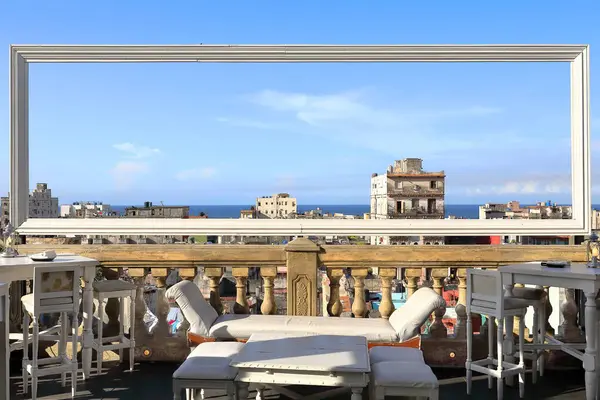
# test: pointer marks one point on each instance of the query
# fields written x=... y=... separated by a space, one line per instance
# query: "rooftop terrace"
x=153 y=381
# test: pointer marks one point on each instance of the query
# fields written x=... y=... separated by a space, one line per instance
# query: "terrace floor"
x=153 y=381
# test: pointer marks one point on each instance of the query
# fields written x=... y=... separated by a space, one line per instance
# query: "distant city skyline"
x=228 y=133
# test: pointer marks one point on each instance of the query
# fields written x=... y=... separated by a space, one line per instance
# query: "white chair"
x=115 y=289
x=55 y=290
x=485 y=295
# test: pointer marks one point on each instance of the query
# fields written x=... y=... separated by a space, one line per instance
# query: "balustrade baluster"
x=359 y=307
x=568 y=330
x=437 y=328
x=268 y=306
x=241 y=302
x=412 y=276
x=214 y=275
x=334 y=306
x=460 y=329
x=162 y=308
x=386 y=307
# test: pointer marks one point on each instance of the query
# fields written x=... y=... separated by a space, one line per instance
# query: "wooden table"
x=21 y=268
x=576 y=276
x=4 y=356
x=277 y=360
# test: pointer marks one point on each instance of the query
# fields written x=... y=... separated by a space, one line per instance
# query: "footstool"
x=207 y=367
x=398 y=378
x=387 y=353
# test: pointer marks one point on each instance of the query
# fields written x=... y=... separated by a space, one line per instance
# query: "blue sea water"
x=470 y=211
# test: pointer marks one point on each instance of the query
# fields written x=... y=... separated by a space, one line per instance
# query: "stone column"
x=334 y=306
x=386 y=307
x=412 y=277
x=359 y=307
x=214 y=274
x=241 y=302
x=437 y=328
x=268 y=306
x=302 y=265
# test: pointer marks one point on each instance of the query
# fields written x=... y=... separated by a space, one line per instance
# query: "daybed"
x=402 y=328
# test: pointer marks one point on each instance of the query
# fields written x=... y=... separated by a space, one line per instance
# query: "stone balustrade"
x=155 y=267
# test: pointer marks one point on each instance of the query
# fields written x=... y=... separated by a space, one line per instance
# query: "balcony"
x=411 y=193
x=419 y=212
x=155 y=267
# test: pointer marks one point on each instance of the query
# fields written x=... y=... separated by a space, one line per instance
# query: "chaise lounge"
x=402 y=329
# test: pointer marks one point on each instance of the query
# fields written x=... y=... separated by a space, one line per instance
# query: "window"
x=576 y=55
x=433 y=185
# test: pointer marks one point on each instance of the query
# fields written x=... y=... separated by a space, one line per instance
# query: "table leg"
x=88 y=316
x=4 y=350
x=509 y=346
x=589 y=359
x=357 y=393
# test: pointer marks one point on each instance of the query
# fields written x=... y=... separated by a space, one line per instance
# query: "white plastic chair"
x=485 y=295
x=55 y=290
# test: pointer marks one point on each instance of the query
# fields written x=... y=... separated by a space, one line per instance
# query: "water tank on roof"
x=147 y=204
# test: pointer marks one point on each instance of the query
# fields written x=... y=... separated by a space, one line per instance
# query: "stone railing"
x=313 y=276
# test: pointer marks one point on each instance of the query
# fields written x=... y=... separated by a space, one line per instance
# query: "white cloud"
x=538 y=185
x=135 y=151
x=125 y=173
x=355 y=118
x=196 y=174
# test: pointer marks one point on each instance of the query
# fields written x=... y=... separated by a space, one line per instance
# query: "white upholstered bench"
x=207 y=367
x=398 y=371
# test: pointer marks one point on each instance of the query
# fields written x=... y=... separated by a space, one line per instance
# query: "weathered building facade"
x=279 y=205
x=41 y=203
x=407 y=191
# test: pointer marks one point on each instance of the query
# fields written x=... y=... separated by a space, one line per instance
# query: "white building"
x=276 y=206
x=88 y=209
x=41 y=203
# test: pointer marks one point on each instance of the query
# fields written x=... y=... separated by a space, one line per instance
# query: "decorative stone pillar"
x=241 y=302
x=111 y=307
x=302 y=265
x=334 y=306
x=268 y=306
x=412 y=277
x=16 y=291
x=214 y=275
x=359 y=307
x=386 y=307
x=162 y=305
x=438 y=329
x=517 y=320
x=568 y=330
x=460 y=329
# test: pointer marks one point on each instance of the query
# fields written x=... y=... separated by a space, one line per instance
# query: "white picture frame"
x=22 y=55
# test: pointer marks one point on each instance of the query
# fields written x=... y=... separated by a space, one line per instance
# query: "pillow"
x=198 y=312
x=408 y=319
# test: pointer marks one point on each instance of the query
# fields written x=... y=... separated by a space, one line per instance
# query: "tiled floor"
x=153 y=381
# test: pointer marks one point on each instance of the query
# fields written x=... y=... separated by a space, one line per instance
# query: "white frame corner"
x=22 y=55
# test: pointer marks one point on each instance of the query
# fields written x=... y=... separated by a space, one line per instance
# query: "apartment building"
x=41 y=203
x=406 y=190
x=279 y=205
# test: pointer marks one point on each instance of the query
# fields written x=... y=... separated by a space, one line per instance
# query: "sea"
x=470 y=211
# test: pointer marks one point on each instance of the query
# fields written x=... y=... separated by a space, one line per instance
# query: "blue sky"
x=227 y=133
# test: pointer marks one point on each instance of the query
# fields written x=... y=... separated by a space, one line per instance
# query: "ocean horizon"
x=469 y=211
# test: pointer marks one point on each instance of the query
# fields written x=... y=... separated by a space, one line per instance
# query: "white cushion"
x=198 y=312
x=28 y=302
x=231 y=326
x=408 y=319
x=528 y=293
x=403 y=374
x=386 y=353
x=210 y=361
